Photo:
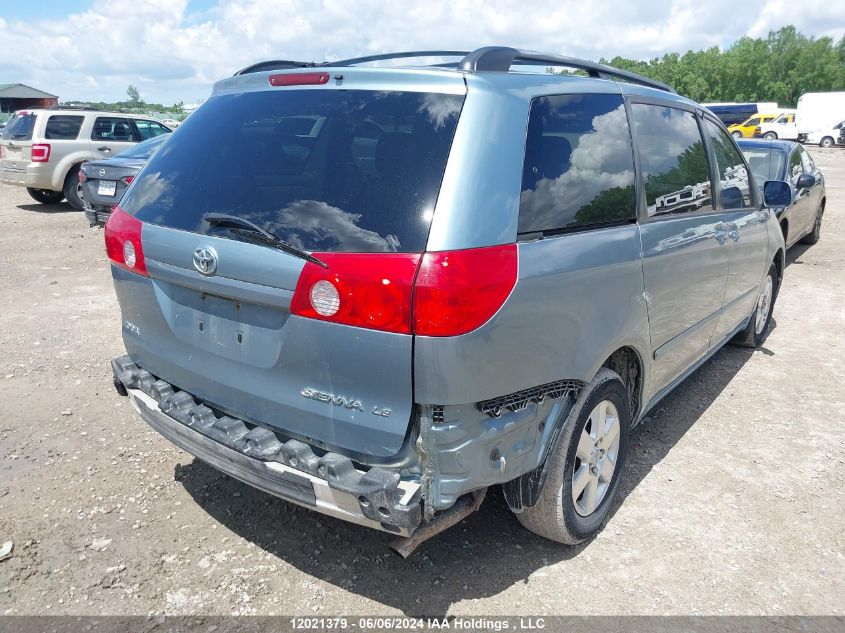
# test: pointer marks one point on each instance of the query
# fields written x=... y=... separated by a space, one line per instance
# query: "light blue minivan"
x=376 y=292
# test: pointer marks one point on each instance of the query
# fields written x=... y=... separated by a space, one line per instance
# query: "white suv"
x=42 y=149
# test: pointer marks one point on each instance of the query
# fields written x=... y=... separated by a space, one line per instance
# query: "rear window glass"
x=579 y=164
x=325 y=170
x=19 y=127
x=142 y=150
x=61 y=127
x=765 y=164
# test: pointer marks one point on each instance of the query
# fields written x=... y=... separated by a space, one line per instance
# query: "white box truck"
x=819 y=111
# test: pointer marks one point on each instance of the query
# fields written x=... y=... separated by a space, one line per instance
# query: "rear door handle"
x=104 y=149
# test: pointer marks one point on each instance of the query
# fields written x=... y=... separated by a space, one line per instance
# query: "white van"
x=783 y=127
x=825 y=137
x=819 y=111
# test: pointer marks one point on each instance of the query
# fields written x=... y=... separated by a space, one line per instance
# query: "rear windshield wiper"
x=253 y=231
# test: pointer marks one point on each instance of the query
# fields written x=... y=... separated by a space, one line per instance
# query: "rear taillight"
x=369 y=290
x=123 y=241
x=82 y=176
x=299 y=79
x=128 y=179
x=40 y=152
x=459 y=291
x=434 y=294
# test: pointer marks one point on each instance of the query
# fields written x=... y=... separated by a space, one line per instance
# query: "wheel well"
x=626 y=362
x=784 y=228
x=70 y=171
x=780 y=262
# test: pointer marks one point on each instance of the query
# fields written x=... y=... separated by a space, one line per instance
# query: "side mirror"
x=777 y=193
x=805 y=181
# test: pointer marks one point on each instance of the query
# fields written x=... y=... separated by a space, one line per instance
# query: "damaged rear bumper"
x=287 y=468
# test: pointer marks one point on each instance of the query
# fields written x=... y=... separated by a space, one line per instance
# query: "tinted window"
x=19 y=127
x=795 y=167
x=63 y=127
x=579 y=165
x=142 y=150
x=733 y=174
x=112 y=129
x=765 y=163
x=807 y=162
x=673 y=160
x=149 y=129
x=326 y=170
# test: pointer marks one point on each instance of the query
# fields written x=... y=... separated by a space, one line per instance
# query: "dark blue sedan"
x=785 y=160
x=104 y=181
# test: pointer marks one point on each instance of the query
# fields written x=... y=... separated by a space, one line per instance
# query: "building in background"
x=19 y=96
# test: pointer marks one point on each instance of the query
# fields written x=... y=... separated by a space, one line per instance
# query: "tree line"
x=779 y=68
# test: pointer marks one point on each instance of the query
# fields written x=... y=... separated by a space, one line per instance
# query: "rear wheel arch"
x=627 y=363
x=780 y=265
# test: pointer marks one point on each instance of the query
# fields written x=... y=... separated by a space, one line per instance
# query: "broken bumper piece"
x=289 y=469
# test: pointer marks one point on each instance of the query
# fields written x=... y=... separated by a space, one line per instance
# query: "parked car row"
x=817 y=119
x=520 y=297
x=43 y=149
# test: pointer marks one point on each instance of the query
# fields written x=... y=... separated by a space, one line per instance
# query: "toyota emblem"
x=205 y=261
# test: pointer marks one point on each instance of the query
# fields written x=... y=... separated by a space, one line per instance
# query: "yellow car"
x=746 y=128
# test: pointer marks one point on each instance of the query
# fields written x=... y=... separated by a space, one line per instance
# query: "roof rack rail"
x=399 y=55
x=275 y=64
x=73 y=107
x=489 y=58
x=501 y=58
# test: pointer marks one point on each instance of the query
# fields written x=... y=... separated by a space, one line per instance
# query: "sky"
x=174 y=50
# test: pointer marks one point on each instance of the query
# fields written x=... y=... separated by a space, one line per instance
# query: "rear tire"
x=827 y=141
x=815 y=235
x=758 y=326
x=73 y=189
x=591 y=455
x=45 y=196
x=770 y=135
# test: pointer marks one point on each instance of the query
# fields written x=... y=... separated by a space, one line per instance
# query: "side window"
x=61 y=127
x=579 y=164
x=795 y=167
x=673 y=160
x=113 y=129
x=807 y=162
x=754 y=121
x=149 y=129
x=733 y=174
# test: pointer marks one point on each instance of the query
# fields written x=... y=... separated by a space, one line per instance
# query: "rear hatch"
x=16 y=141
x=350 y=175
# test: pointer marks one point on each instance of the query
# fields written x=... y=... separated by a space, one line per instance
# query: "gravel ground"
x=732 y=502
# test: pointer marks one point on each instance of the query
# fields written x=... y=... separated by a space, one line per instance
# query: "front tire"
x=45 y=196
x=586 y=465
x=736 y=135
x=827 y=141
x=758 y=326
x=73 y=189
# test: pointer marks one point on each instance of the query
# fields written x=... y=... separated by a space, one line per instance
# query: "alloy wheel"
x=764 y=304
x=595 y=458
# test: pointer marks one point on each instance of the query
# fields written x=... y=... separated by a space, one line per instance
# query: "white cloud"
x=172 y=54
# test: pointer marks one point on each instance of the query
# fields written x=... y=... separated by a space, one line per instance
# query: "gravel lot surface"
x=733 y=501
